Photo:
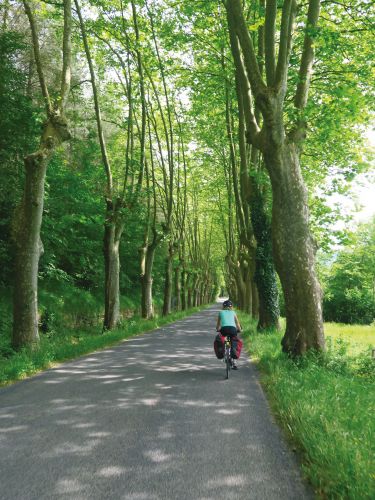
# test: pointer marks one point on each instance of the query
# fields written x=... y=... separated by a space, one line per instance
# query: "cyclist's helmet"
x=227 y=303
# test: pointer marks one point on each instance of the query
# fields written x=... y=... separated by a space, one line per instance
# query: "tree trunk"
x=242 y=280
x=255 y=301
x=183 y=290
x=168 y=281
x=202 y=293
x=28 y=251
x=265 y=276
x=147 y=253
x=111 y=249
x=293 y=247
x=146 y=282
x=195 y=290
x=26 y=231
x=294 y=252
x=206 y=288
x=189 y=291
x=112 y=282
x=248 y=306
x=177 y=288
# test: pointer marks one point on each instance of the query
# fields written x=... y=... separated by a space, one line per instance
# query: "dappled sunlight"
x=99 y=434
x=228 y=480
x=202 y=404
x=70 y=372
x=226 y=411
x=111 y=471
x=83 y=425
x=140 y=496
x=68 y=486
x=137 y=421
x=157 y=456
x=57 y=381
x=131 y=379
x=230 y=431
x=69 y=448
x=150 y=401
x=14 y=428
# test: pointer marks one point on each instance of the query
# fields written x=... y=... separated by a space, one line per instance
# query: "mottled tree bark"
x=177 y=288
x=168 y=280
x=294 y=252
x=26 y=231
x=146 y=283
x=184 y=301
x=255 y=301
x=113 y=229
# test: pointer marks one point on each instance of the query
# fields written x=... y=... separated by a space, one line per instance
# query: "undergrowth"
x=326 y=405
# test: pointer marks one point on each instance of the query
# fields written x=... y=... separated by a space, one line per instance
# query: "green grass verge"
x=358 y=337
x=326 y=405
x=63 y=345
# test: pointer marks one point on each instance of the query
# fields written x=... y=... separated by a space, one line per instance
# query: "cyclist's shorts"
x=230 y=331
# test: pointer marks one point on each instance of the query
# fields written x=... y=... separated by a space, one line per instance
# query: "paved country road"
x=149 y=419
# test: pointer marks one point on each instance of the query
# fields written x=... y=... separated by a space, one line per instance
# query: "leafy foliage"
x=350 y=284
x=19 y=128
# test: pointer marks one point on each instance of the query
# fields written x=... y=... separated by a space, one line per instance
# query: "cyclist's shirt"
x=227 y=318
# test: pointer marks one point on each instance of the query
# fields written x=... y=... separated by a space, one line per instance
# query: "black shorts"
x=229 y=331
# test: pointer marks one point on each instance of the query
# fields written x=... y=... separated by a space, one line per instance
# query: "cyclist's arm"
x=237 y=323
x=218 y=324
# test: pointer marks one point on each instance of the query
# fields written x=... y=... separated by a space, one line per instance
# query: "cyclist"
x=228 y=324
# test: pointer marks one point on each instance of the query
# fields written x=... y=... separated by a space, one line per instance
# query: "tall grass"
x=358 y=337
x=326 y=404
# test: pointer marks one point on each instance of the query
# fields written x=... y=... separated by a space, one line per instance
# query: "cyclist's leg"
x=233 y=336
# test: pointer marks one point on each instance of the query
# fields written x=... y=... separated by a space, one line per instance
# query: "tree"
x=293 y=245
x=28 y=217
x=117 y=199
x=349 y=283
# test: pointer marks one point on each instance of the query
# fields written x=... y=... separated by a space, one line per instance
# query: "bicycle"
x=227 y=355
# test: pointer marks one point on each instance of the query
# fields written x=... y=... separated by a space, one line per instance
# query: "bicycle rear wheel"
x=227 y=363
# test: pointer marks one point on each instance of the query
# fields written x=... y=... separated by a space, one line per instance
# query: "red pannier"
x=236 y=347
x=219 y=346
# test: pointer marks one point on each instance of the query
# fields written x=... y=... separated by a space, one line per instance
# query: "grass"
x=326 y=405
x=359 y=337
x=65 y=344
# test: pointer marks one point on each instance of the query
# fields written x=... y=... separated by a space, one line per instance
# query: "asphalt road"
x=150 y=419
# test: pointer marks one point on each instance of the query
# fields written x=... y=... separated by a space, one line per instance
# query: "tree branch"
x=234 y=10
x=307 y=58
x=38 y=62
x=269 y=35
x=287 y=20
x=103 y=148
x=143 y=101
x=67 y=55
x=251 y=123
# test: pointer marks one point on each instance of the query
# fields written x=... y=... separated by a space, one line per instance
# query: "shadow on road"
x=152 y=418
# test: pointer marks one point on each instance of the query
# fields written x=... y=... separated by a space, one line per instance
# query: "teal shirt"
x=227 y=318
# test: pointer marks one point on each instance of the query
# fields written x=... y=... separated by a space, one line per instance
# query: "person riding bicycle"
x=228 y=324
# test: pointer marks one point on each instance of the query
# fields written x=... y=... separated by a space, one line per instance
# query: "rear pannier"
x=236 y=347
x=219 y=346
